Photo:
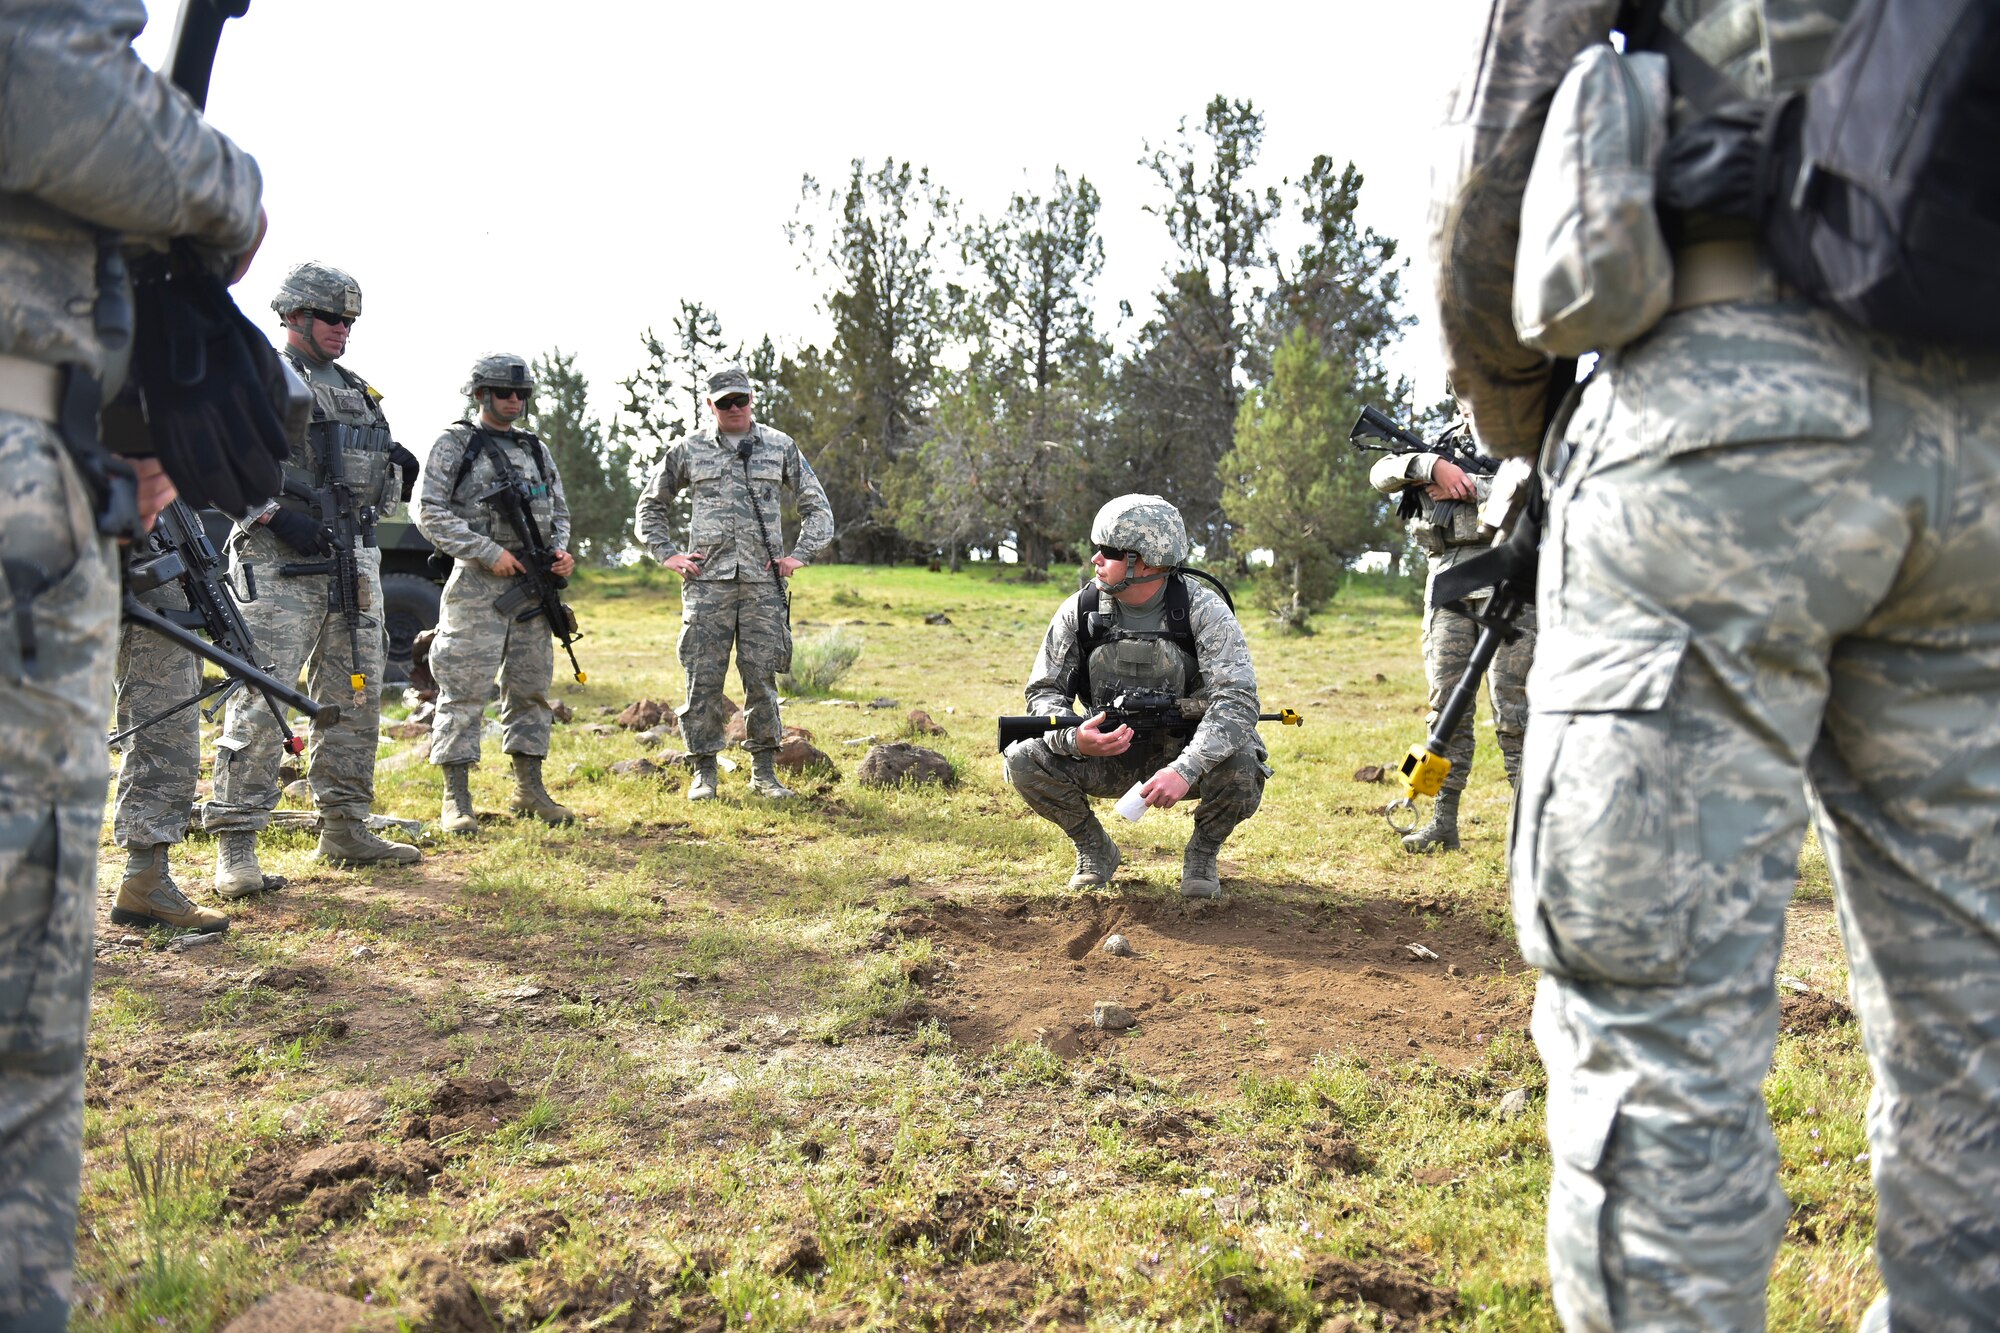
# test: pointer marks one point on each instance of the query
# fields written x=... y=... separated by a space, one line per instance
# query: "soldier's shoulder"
x=776 y=436
x=457 y=433
x=1204 y=602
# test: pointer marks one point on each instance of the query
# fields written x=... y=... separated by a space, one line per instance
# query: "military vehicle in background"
x=411 y=593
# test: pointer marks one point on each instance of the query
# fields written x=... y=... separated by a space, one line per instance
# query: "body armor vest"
x=481 y=471
x=1140 y=660
x=347 y=424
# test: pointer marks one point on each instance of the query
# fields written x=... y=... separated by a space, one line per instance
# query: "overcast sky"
x=508 y=176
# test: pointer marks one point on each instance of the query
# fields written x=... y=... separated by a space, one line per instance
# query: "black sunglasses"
x=1108 y=552
x=328 y=317
x=733 y=401
x=499 y=392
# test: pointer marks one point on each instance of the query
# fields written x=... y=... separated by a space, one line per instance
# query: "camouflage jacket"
x=459 y=523
x=1445 y=543
x=91 y=138
x=738 y=530
x=1222 y=658
x=1491 y=131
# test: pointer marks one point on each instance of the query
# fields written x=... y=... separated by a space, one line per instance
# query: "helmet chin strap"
x=312 y=339
x=1128 y=580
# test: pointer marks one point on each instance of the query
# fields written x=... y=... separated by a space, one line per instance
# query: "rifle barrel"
x=250 y=672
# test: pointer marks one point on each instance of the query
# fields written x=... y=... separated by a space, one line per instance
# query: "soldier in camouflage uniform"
x=1139 y=541
x=1439 y=505
x=732 y=576
x=293 y=618
x=1766 y=590
x=474 y=640
x=93 y=141
x=156 y=778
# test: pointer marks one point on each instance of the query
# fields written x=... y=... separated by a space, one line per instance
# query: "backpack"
x=1877 y=190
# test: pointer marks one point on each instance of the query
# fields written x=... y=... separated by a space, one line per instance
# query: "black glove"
x=206 y=375
x=299 y=532
x=407 y=461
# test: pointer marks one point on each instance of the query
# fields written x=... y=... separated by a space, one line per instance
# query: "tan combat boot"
x=1441 y=833
x=1097 y=857
x=1199 y=876
x=149 y=897
x=237 y=874
x=457 y=816
x=703 y=786
x=764 y=775
x=531 y=797
x=348 y=843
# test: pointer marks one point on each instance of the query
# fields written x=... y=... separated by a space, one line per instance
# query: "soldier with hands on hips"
x=1439 y=503
x=733 y=570
x=97 y=148
x=1766 y=593
x=295 y=616
x=475 y=640
x=1142 y=624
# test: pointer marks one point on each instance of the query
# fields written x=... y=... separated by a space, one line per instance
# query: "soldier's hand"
x=156 y=490
x=786 y=566
x=687 y=566
x=563 y=565
x=1449 y=482
x=505 y=565
x=1093 y=743
x=296 y=530
x=1164 y=788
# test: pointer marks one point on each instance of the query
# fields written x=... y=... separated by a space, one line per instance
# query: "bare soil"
x=1223 y=988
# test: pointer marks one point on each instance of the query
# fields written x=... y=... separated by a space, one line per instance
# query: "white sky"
x=508 y=176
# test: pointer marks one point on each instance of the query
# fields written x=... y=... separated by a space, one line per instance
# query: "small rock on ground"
x=1117 y=946
x=1109 y=1017
x=1513 y=1103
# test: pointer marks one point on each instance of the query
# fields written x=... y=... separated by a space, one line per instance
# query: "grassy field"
x=830 y=1064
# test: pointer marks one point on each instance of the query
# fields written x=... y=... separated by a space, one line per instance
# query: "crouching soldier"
x=1143 y=624
x=475 y=640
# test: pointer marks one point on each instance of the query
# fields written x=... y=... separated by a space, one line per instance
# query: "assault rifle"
x=347 y=526
x=1142 y=710
x=538 y=592
x=1375 y=424
x=182 y=551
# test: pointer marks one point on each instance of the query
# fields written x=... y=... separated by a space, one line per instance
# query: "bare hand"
x=1164 y=788
x=156 y=490
x=1095 y=744
x=505 y=565
x=1449 y=482
x=786 y=566
x=564 y=564
x=687 y=566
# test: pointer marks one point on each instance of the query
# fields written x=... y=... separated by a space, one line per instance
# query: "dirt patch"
x=624 y=1302
x=463 y=1110
x=1221 y=991
x=437 y=1298
x=1805 y=1012
x=288 y=978
x=1003 y=1294
x=1401 y=1298
x=516 y=1238
x=955 y=1222
x=327 y=1183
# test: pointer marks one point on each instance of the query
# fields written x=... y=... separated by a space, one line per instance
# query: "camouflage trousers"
x=294 y=627
x=748 y=614
x=1059 y=788
x=1448 y=640
x=474 y=644
x=1767 y=580
x=58 y=641
x=162 y=763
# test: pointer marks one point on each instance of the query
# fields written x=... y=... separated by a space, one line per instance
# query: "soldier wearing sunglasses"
x=733 y=571
x=476 y=639
x=295 y=619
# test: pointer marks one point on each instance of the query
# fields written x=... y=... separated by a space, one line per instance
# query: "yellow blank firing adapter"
x=581 y=677
x=1289 y=717
x=358 y=683
x=1424 y=772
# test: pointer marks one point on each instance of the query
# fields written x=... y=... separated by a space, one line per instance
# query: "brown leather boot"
x=148 y=897
x=531 y=797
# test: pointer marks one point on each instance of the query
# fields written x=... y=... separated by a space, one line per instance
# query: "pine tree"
x=596 y=468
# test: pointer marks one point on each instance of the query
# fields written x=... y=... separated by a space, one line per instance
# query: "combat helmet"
x=499 y=370
x=1143 y=523
x=316 y=286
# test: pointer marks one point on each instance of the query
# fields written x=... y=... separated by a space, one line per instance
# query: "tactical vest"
x=481 y=470
x=346 y=422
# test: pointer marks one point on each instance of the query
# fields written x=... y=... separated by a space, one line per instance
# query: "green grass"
x=732 y=1044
